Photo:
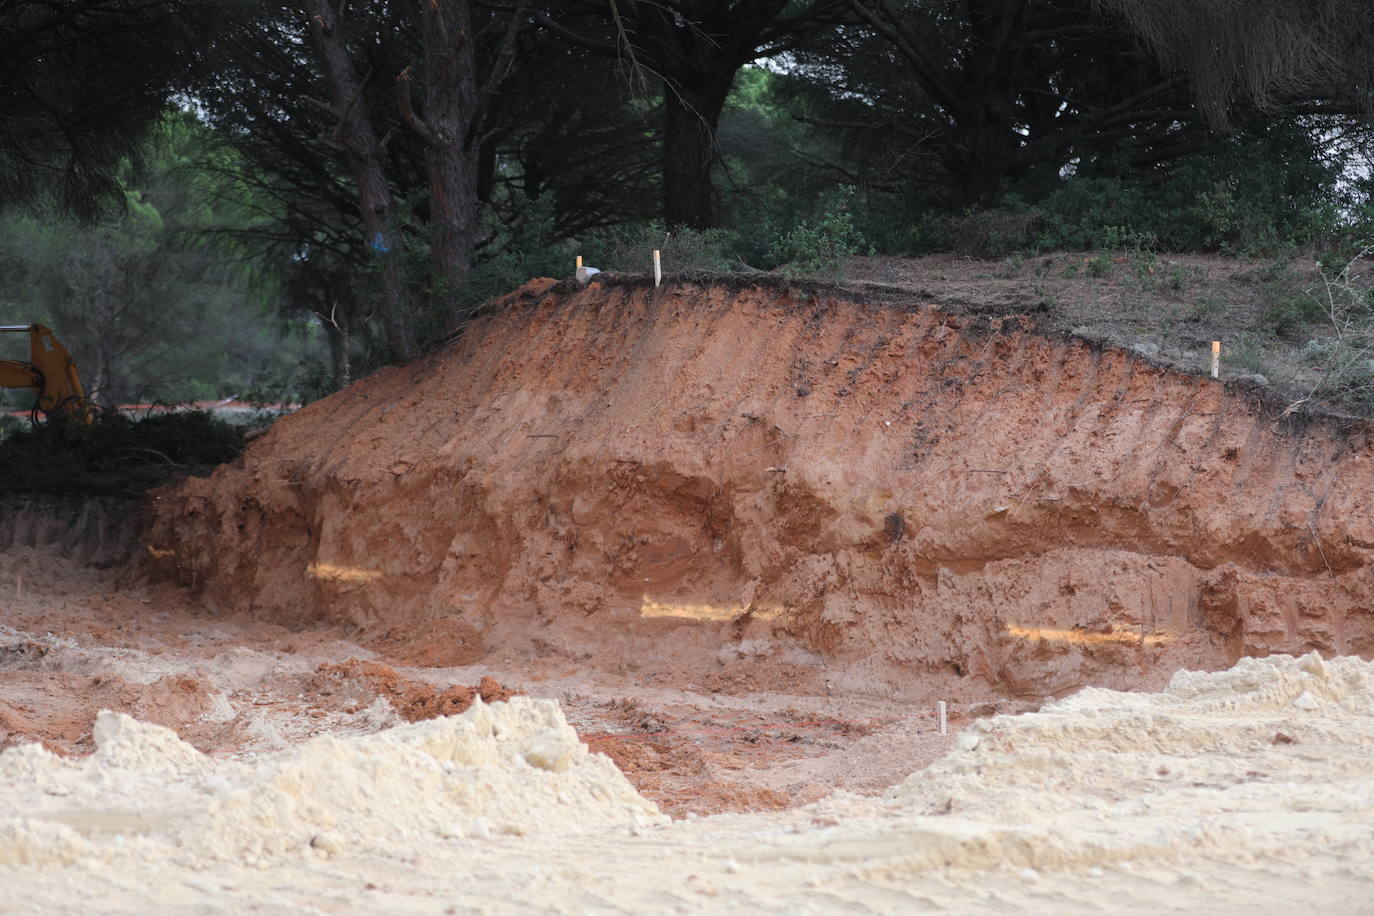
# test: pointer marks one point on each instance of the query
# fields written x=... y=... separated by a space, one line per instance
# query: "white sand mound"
x=1249 y=790
x=1233 y=764
x=508 y=768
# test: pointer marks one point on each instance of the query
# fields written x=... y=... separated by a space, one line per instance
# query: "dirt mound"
x=743 y=486
x=57 y=709
x=413 y=700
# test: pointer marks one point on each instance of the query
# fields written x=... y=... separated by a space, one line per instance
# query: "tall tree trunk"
x=450 y=104
x=986 y=142
x=691 y=114
x=698 y=63
x=449 y=126
x=362 y=152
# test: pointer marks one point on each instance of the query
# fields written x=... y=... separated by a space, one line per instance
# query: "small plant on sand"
x=1207 y=306
x=1011 y=267
x=1100 y=266
x=1179 y=277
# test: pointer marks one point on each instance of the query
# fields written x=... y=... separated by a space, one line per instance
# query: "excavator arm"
x=50 y=372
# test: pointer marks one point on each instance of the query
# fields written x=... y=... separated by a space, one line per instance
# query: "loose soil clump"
x=413 y=700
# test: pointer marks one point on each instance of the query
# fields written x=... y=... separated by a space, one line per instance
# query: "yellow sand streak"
x=334 y=573
x=717 y=612
x=1116 y=634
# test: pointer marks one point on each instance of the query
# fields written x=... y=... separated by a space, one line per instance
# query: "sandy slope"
x=1241 y=790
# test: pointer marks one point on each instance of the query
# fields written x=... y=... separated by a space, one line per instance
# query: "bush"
x=114 y=456
x=9 y=425
x=1285 y=305
x=1268 y=194
x=818 y=249
x=513 y=256
x=1091 y=213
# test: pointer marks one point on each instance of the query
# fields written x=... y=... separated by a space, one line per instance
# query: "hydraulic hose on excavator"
x=50 y=372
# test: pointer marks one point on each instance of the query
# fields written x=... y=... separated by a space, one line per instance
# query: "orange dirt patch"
x=440 y=643
x=413 y=700
x=57 y=708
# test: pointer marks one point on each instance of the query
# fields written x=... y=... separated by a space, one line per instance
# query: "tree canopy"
x=391 y=163
x=81 y=83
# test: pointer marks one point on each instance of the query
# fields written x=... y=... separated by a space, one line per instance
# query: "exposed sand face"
x=1244 y=789
x=749 y=489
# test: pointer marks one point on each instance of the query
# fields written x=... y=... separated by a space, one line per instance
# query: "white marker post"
x=1216 y=359
x=941 y=711
x=658 y=268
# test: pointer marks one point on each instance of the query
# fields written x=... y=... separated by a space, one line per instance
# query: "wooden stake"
x=944 y=718
x=1216 y=359
x=658 y=268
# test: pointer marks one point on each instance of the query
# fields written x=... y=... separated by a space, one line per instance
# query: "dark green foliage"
x=81 y=81
x=1271 y=191
x=154 y=301
x=1285 y=305
x=530 y=249
x=114 y=456
x=994 y=233
x=1271 y=52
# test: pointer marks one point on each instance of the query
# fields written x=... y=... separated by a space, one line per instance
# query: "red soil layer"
x=749 y=490
x=413 y=700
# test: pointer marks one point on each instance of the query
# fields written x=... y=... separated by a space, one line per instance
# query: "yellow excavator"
x=50 y=372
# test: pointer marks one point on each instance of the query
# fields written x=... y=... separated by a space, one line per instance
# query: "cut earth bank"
x=737 y=486
x=745 y=535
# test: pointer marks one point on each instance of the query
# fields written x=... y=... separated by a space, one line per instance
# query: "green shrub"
x=1100 y=265
x=1285 y=304
x=529 y=250
x=818 y=249
x=1273 y=191
x=933 y=232
x=9 y=425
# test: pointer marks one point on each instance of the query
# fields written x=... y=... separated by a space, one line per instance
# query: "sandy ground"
x=76 y=643
x=1241 y=790
x=640 y=600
